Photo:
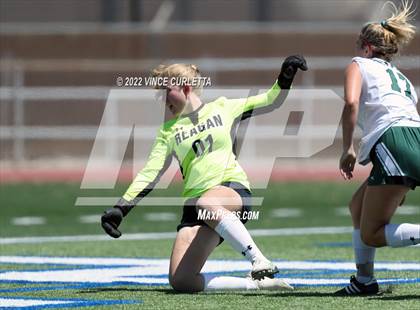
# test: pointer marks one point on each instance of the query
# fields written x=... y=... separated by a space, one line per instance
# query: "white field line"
x=342 y=211
x=154 y=266
x=408 y=210
x=171 y=235
x=286 y=212
x=28 y=220
x=90 y=219
x=160 y=216
x=403 y=210
x=78 y=238
x=14 y=302
x=155 y=271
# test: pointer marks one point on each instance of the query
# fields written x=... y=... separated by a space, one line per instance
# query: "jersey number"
x=394 y=82
x=199 y=147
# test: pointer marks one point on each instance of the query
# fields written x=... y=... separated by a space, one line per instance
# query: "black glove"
x=112 y=218
x=288 y=70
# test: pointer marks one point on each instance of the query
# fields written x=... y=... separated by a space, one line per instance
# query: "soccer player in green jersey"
x=199 y=136
x=384 y=102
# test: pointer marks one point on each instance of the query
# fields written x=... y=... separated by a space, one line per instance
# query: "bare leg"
x=219 y=200
x=379 y=205
x=356 y=203
x=192 y=247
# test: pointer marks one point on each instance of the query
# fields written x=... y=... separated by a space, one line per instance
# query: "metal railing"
x=20 y=95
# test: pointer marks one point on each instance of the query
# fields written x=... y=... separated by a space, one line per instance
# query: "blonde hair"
x=390 y=35
x=185 y=72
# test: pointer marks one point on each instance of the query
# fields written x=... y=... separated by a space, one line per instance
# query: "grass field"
x=131 y=274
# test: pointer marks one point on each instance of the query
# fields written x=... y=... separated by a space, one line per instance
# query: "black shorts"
x=190 y=215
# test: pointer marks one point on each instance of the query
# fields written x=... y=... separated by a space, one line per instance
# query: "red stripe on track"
x=76 y=175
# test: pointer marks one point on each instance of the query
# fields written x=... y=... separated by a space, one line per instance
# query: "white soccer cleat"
x=275 y=284
x=271 y=284
x=263 y=268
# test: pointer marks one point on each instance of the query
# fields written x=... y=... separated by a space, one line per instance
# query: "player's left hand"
x=288 y=70
x=347 y=162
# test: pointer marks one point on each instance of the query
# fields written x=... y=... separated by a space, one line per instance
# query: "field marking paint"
x=301 y=231
x=335 y=244
x=286 y=212
x=297 y=282
x=79 y=238
x=160 y=216
x=28 y=220
x=403 y=210
x=20 y=302
x=90 y=219
x=23 y=302
x=171 y=235
x=342 y=211
x=408 y=210
x=343 y=281
x=147 y=271
x=215 y=266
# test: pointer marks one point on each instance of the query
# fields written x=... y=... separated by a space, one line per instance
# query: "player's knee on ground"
x=183 y=283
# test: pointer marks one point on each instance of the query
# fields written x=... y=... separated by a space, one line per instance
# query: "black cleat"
x=355 y=288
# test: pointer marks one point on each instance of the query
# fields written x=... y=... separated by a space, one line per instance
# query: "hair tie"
x=195 y=68
x=384 y=24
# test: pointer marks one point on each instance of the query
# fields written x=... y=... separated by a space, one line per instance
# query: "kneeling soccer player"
x=199 y=136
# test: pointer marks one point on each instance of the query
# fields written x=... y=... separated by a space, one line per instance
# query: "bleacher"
x=59 y=59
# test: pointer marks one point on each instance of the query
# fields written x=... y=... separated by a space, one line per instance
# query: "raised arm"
x=242 y=106
x=284 y=81
x=157 y=163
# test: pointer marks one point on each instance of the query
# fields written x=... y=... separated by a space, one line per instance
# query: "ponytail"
x=390 y=35
x=398 y=24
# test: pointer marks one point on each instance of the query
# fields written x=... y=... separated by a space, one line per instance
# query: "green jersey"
x=201 y=142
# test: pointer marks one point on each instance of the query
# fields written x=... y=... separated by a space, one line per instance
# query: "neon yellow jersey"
x=202 y=143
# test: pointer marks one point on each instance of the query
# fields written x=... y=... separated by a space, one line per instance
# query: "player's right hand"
x=110 y=221
x=347 y=162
